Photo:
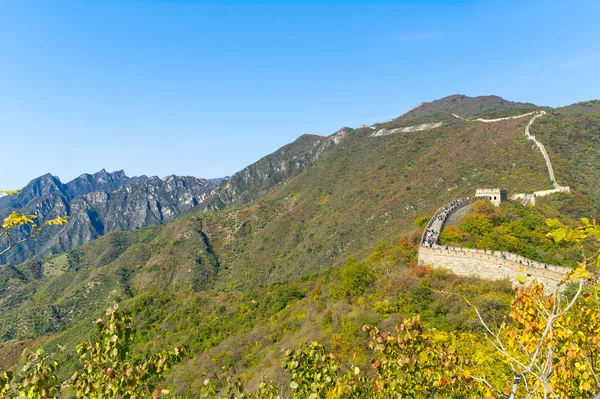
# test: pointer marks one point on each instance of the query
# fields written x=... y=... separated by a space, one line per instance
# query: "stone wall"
x=491 y=267
x=438 y=221
x=408 y=129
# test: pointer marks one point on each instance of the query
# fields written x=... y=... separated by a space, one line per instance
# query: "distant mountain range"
x=103 y=202
x=97 y=204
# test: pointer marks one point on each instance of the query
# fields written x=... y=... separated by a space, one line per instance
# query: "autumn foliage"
x=547 y=346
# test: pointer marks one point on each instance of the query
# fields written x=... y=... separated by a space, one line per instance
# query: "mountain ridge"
x=247 y=185
x=97 y=204
x=218 y=281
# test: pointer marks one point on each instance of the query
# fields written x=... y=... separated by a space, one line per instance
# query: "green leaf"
x=585 y=221
x=553 y=223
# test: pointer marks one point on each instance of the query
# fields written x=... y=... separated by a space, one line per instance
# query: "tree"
x=354 y=278
x=421 y=221
x=550 y=343
x=318 y=374
x=17 y=227
x=106 y=369
x=418 y=362
x=35 y=380
x=106 y=372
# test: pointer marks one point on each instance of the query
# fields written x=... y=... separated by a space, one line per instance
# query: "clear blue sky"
x=206 y=88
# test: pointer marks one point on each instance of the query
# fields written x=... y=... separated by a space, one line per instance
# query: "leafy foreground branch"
x=553 y=342
x=106 y=370
x=17 y=227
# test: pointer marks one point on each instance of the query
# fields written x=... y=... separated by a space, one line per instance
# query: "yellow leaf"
x=57 y=221
x=10 y=193
x=16 y=219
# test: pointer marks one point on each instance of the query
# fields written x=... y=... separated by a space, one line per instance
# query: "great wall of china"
x=529 y=199
x=492 y=265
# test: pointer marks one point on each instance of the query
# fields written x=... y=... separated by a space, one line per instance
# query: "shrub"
x=422 y=221
x=354 y=278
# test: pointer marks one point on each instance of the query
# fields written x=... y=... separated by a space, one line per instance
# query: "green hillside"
x=237 y=286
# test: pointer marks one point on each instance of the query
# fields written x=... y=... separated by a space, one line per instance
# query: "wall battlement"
x=495 y=195
x=491 y=265
x=488 y=267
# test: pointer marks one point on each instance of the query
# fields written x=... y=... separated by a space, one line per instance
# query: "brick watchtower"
x=495 y=195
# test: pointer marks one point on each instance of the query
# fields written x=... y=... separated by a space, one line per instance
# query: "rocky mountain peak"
x=340 y=134
x=98 y=204
x=38 y=187
x=98 y=181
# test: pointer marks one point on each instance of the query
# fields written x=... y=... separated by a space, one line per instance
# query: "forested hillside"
x=327 y=245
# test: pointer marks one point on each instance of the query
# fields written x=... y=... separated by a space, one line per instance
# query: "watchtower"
x=495 y=195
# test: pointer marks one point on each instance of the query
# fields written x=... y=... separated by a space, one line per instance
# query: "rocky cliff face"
x=98 y=204
x=262 y=176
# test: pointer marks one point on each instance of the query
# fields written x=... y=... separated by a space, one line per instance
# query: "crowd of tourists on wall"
x=431 y=234
x=433 y=230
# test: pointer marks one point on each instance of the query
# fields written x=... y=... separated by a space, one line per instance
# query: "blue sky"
x=206 y=88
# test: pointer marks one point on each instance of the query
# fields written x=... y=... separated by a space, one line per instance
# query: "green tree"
x=107 y=372
x=354 y=278
x=106 y=369
x=418 y=362
x=318 y=374
x=421 y=221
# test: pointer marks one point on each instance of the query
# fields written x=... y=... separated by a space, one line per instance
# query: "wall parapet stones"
x=490 y=267
x=407 y=129
x=487 y=264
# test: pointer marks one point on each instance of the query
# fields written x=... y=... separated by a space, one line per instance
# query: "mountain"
x=47 y=184
x=465 y=106
x=105 y=202
x=262 y=176
x=97 y=204
x=218 y=180
x=252 y=269
x=584 y=107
